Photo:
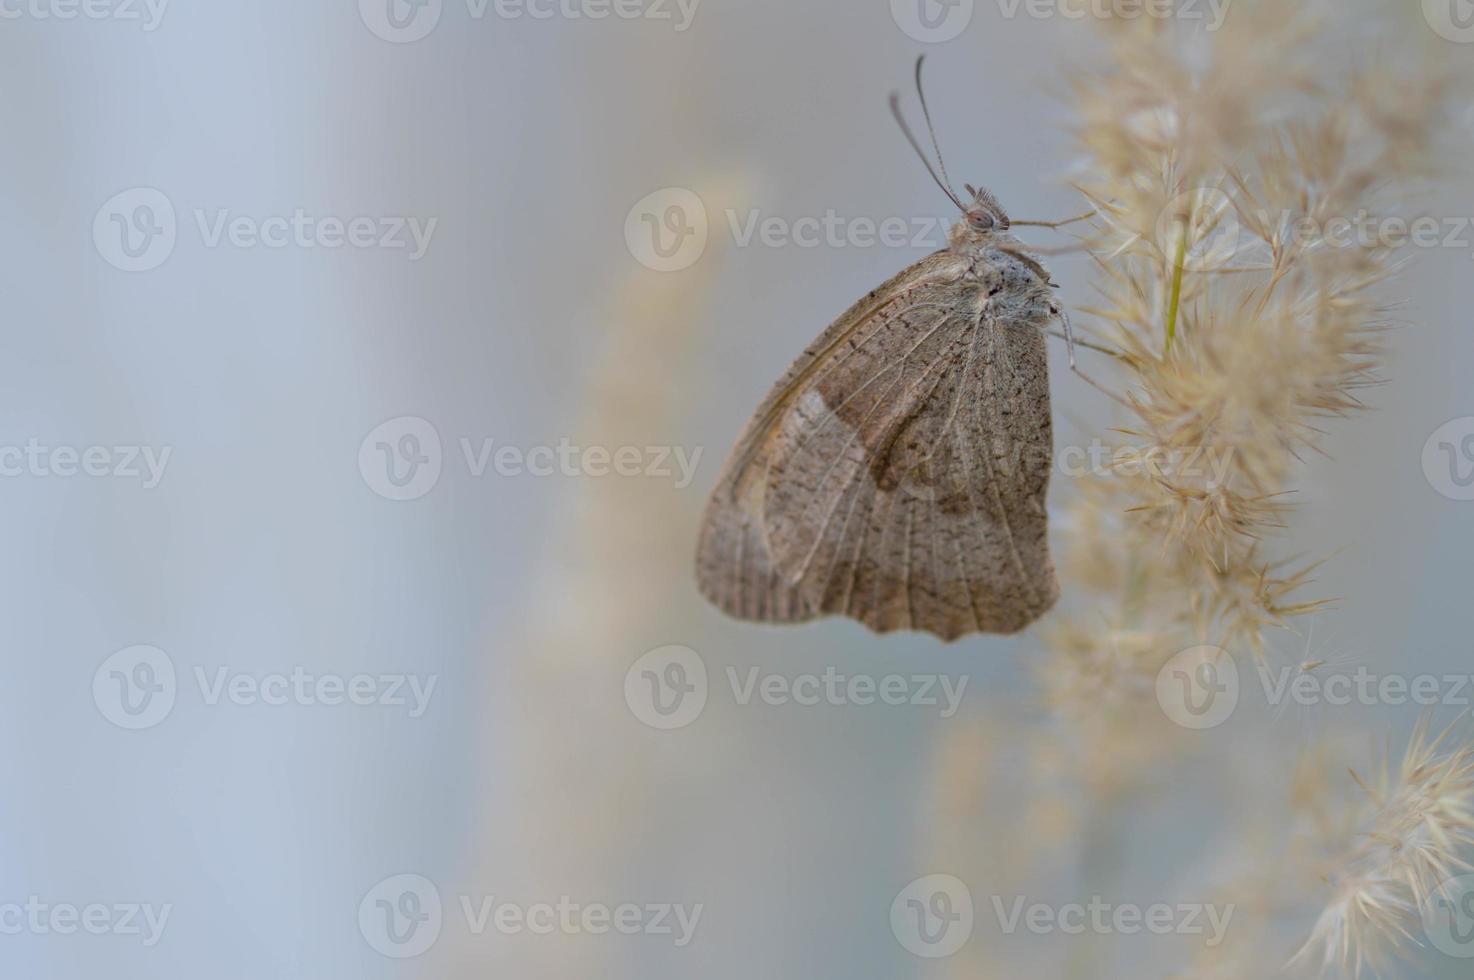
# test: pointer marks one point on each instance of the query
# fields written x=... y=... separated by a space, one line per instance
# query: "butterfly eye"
x=982 y=220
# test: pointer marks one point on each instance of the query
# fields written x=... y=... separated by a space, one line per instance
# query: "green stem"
x=1176 y=290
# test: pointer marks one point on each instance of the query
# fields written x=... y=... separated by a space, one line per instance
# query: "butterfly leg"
x=1064 y=318
x=1086 y=344
x=1054 y=251
x=1058 y=224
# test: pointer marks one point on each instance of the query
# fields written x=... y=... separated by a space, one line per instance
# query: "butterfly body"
x=897 y=473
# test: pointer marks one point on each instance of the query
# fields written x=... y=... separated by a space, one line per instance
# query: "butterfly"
x=897 y=474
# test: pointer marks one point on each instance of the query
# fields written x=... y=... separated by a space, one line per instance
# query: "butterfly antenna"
x=930 y=129
x=916 y=145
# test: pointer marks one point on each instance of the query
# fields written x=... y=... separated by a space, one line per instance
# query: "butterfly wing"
x=897 y=473
x=910 y=494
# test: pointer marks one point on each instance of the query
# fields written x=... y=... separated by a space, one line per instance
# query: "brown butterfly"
x=897 y=473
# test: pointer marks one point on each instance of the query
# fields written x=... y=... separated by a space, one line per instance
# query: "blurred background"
x=325 y=633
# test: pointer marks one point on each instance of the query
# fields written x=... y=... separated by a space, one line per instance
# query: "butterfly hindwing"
x=923 y=507
x=897 y=473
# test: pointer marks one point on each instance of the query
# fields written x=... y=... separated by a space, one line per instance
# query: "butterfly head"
x=985 y=215
x=983 y=221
